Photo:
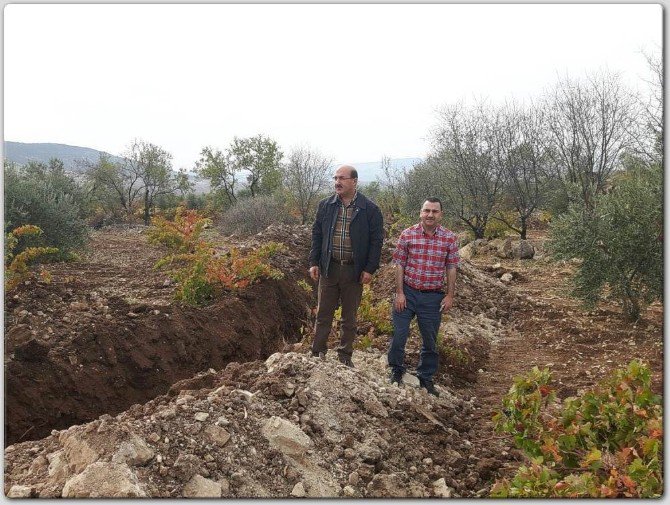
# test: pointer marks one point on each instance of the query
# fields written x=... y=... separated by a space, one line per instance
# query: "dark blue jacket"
x=366 y=231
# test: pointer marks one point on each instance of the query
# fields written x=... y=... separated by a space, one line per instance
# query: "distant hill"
x=22 y=153
x=369 y=171
x=71 y=156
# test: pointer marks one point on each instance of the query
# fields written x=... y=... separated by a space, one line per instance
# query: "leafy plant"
x=619 y=240
x=16 y=264
x=201 y=274
x=376 y=313
x=305 y=286
x=604 y=443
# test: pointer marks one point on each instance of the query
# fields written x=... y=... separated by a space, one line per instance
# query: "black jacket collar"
x=361 y=201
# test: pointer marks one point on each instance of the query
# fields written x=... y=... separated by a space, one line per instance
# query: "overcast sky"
x=353 y=81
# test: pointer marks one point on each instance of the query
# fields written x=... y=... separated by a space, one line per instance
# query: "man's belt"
x=342 y=262
x=427 y=290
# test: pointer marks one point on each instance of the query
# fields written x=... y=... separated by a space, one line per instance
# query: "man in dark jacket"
x=347 y=238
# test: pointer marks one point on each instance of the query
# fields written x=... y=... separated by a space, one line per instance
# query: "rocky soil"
x=114 y=390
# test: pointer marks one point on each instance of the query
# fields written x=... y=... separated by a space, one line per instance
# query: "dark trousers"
x=341 y=285
x=426 y=308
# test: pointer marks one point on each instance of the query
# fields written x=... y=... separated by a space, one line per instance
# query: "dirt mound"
x=290 y=426
x=482 y=307
x=104 y=334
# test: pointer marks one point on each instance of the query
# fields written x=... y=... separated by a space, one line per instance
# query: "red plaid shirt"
x=424 y=258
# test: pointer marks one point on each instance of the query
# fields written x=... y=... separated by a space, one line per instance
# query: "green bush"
x=620 y=242
x=605 y=443
x=251 y=215
x=43 y=202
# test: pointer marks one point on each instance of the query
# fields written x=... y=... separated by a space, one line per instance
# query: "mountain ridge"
x=72 y=157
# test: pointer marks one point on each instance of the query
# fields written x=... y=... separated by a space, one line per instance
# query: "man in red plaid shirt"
x=423 y=253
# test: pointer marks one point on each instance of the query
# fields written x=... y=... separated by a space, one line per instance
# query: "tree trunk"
x=146 y=208
x=523 y=227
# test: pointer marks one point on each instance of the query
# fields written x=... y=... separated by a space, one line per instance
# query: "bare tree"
x=219 y=168
x=650 y=140
x=390 y=184
x=470 y=176
x=305 y=177
x=520 y=151
x=590 y=125
x=114 y=181
x=153 y=167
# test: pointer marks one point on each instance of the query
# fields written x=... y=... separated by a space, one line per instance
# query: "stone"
x=523 y=250
x=504 y=249
x=354 y=478
x=507 y=277
x=58 y=468
x=217 y=435
x=186 y=466
x=225 y=486
x=410 y=380
x=104 y=480
x=386 y=486
x=370 y=454
x=78 y=452
x=349 y=491
x=440 y=488
x=468 y=251
x=201 y=416
x=17 y=491
x=298 y=490
x=285 y=436
x=38 y=464
x=200 y=487
x=135 y=452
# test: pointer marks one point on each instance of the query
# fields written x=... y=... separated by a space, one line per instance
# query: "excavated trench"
x=137 y=354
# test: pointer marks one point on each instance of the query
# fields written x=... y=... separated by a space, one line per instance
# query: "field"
x=105 y=338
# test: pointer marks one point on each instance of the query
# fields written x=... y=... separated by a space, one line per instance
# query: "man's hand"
x=314 y=273
x=446 y=303
x=400 y=302
x=365 y=278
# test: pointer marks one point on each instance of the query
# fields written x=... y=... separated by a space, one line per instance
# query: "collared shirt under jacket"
x=366 y=231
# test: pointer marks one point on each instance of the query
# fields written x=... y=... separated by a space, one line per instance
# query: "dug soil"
x=195 y=403
x=104 y=334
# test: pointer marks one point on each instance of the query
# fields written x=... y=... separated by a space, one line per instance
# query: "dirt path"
x=552 y=330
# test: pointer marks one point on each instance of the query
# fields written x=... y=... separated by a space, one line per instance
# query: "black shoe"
x=396 y=376
x=347 y=362
x=429 y=386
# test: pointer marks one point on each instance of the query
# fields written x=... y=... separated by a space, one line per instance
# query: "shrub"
x=378 y=314
x=251 y=215
x=16 y=263
x=604 y=443
x=619 y=241
x=31 y=198
x=200 y=273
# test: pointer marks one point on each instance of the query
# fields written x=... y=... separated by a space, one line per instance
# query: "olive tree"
x=619 y=240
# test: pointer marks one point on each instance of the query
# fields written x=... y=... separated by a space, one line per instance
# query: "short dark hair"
x=434 y=199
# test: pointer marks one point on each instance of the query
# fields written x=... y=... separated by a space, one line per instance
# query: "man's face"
x=345 y=186
x=431 y=214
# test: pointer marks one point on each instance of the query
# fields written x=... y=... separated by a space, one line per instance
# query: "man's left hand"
x=446 y=303
x=365 y=278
